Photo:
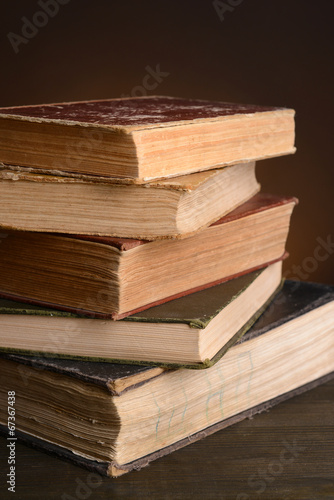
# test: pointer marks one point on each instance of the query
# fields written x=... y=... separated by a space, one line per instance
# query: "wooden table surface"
x=285 y=453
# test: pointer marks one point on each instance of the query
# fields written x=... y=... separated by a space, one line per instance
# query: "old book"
x=117 y=418
x=142 y=138
x=117 y=277
x=194 y=330
x=160 y=209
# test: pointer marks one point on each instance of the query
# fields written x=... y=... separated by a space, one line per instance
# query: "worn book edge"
x=144 y=118
x=184 y=183
x=295 y=299
x=79 y=313
x=113 y=469
x=260 y=202
x=207 y=363
x=215 y=111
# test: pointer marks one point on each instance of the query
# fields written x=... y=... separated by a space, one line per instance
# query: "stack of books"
x=143 y=305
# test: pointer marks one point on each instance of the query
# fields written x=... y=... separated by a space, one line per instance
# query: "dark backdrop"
x=252 y=51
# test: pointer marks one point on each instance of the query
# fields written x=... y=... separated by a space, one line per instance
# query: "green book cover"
x=31 y=329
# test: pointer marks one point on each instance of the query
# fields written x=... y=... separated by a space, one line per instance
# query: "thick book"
x=117 y=418
x=116 y=277
x=161 y=209
x=142 y=138
x=194 y=330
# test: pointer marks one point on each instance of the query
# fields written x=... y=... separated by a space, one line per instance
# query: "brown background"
x=275 y=53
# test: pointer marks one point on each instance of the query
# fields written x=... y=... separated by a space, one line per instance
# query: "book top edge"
x=195 y=310
x=184 y=183
x=295 y=299
x=258 y=203
x=136 y=112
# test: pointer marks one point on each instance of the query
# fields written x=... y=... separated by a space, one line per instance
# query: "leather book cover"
x=196 y=310
x=110 y=470
x=295 y=299
x=136 y=138
x=258 y=203
x=131 y=113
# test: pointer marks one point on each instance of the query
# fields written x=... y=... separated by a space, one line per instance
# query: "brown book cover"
x=102 y=272
x=142 y=138
x=297 y=303
x=193 y=331
x=106 y=469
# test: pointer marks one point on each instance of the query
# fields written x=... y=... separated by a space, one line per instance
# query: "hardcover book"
x=142 y=138
x=118 y=276
x=161 y=209
x=193 y=330
x=117 y=418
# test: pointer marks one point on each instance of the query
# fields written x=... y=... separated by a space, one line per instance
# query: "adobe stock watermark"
x=30 y=27
x=227 y=6
x=151 y=80
x=310 y=264
x=92 y=138
x=267 y=475
x=84 y=490
x=90 y=142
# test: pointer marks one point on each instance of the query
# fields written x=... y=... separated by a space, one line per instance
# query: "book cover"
x=299 y=328
x=117 y=277
x=171 y=208
x=193 y=331
x=142 y=138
